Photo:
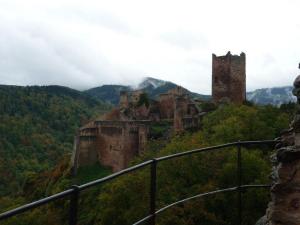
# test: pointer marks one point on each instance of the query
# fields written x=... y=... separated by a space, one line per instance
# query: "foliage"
x=37 y=126
x=126 y=199
x=143 y=100
x=90 y=172
x=207 y=106
x=160 y=129
x=184 y=177
x=289 y=108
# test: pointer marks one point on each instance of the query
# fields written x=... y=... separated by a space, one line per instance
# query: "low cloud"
x=87 y=44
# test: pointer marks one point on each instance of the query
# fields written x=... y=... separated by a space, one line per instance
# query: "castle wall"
x=181 y=108
x=166 y=106
x=131 y=145
x=135 y=96
x=75 y=154
x=110 y=146
x=124 y=99
x=229 y=78
x=113 y=143
x=87 y=154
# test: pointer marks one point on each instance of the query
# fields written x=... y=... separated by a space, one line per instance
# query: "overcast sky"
x=83 y=44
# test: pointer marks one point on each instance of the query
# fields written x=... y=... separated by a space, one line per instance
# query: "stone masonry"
x=284 y=208
x=122 y=133
x=112 y=143
x=229 y=78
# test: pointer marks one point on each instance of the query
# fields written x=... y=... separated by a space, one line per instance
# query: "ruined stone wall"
x=178 y=91
x=187 y=115
x=166 y=106
x=284 y=208
x=129 y=98
x=110 y=146
x=131 y=144
x=141 y=112
x=135 y=96
x=124 y=99
x=181 y=108
x=123 y=133
x=113 y=143
x=154 y=111
x=229 y=78
x=86 y=141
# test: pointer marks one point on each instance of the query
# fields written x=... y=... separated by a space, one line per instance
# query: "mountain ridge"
x=110 y=93
x=272 y=96
x=154 y=87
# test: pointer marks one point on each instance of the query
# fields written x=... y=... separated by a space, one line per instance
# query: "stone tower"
x=229 y=78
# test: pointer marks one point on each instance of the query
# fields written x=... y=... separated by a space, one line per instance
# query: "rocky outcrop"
x=284 y=208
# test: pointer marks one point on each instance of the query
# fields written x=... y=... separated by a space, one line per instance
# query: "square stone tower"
x=229 y=78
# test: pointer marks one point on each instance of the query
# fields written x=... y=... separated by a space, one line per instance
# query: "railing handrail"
x=75 y=190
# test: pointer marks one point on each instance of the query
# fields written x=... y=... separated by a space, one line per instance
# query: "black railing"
x=74 y=192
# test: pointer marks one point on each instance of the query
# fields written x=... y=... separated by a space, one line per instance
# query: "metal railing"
x=75 y=190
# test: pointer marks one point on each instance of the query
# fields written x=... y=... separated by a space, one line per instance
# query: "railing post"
x=74 y=205
x=153 y=192
x=239 y=183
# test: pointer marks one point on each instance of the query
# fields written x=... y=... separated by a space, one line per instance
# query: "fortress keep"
x=229 y=78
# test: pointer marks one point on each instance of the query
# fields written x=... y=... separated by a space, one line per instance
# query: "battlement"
x=229 y=57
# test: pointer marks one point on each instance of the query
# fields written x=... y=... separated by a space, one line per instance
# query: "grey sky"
x=84 y=44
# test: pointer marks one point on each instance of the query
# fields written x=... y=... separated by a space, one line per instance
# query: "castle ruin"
x=229 y=78
x=122 y=133
x=112 y=143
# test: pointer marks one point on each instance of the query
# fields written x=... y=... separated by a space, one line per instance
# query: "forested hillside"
x=153 y=87
x=126 y=199
x=37 y=126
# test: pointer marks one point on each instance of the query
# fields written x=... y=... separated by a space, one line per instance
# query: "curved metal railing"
x=75 y=190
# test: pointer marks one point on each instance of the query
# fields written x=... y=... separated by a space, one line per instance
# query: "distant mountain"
x=153 y=87
x=273 y=96
x=108 y=93
x=152 y=82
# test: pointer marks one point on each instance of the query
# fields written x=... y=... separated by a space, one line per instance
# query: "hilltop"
x=154 y=87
